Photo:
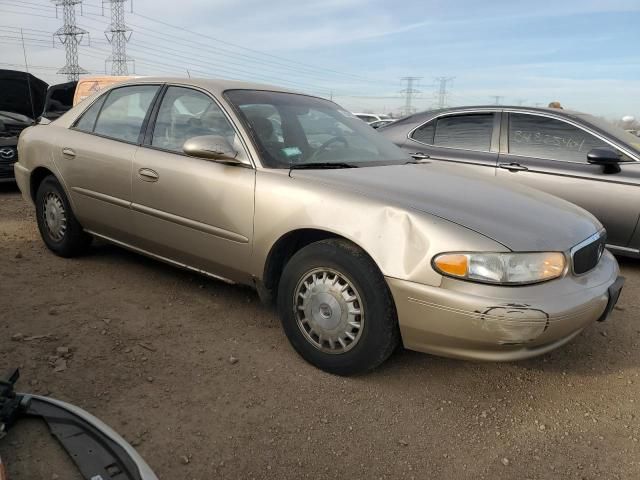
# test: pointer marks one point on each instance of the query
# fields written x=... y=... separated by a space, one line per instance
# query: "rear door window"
x=124 y=111
x=548 y=138
x=468 y=132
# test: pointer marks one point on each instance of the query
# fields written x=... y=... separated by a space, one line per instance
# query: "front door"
x=550 y=154
x=193 y=211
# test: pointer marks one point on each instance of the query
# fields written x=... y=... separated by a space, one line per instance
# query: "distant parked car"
x=371 y=117
x=361 y=246
x=381 y=123
x=573 y=155
x=22 y=101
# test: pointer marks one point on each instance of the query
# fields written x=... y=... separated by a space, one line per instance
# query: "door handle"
x=68 y=152
x=513 y=167
x=148 y=175
x=419 y=156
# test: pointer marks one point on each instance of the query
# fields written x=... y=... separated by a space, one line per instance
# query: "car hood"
x=518 y=217
x=12 y=118
x=16 y=98
x=59 y=99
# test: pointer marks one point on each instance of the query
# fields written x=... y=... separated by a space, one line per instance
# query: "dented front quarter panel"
x=400 y=240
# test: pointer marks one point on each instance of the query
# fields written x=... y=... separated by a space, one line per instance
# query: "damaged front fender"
x=402 y=241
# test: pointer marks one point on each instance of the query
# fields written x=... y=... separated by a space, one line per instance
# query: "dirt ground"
x=150 y=350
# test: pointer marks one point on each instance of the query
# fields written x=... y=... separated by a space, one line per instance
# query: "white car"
x=371 y=117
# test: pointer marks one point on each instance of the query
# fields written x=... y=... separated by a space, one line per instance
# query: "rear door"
x=468 y=141
x=193 y=211
x=550 y=154
x=95 y=157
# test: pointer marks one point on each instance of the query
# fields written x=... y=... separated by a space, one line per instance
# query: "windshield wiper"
x=321 y=165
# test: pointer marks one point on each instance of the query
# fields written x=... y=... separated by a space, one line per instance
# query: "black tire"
x=380 y=334
x=74 y=240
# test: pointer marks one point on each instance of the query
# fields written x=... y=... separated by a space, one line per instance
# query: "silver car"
x=360 y=246
x=575 y=156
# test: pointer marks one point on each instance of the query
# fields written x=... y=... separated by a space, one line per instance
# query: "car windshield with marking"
x=292 y=131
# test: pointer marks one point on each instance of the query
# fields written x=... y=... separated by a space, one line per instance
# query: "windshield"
x=295 y=130
x=613 y=130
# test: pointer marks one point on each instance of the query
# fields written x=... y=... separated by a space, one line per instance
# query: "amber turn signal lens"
x=452 y=264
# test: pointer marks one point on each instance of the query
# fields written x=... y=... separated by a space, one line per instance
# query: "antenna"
x=26 y=67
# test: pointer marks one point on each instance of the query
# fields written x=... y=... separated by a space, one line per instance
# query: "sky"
x=583 y=53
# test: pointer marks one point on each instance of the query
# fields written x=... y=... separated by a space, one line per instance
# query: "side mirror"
x=212 y=147
x=604 y=156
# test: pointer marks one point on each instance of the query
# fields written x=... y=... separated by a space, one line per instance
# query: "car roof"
x=214 y=85
x=434 y=112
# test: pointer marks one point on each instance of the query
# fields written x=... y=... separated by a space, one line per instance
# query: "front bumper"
x=495 y=323
x=8 y=157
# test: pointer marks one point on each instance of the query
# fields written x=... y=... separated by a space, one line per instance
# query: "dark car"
x=25 y=98
x=22 y=98
x=572 y=155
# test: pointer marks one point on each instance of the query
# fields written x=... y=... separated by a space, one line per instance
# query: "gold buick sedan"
x=361 y=247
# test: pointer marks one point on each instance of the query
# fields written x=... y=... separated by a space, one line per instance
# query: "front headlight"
x=501 y=268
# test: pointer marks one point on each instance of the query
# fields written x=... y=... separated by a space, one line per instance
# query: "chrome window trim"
x=450 y=114
x=587 y=241
x=584 y=128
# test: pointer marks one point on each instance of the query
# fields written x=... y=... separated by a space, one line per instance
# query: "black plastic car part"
x=98 y=452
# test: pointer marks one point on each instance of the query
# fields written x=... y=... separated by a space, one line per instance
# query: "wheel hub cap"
x=328 y=310
x=55 y=218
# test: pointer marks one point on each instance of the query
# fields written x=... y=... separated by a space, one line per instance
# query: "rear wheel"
x=59 y=228
x=336 y=308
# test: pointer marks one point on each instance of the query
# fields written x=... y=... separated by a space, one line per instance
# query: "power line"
x=255 y=54
x=240 y=65
x=182 y=29
x=292 y=69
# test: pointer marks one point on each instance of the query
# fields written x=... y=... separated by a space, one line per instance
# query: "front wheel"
x=59 y=228
x=336 y=308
